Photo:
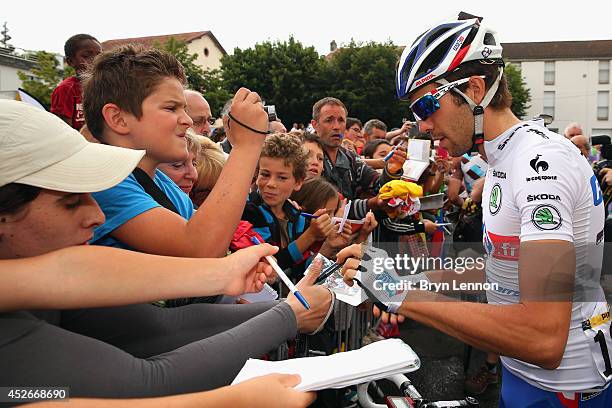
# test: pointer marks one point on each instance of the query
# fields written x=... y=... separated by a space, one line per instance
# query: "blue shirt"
x=128 y=199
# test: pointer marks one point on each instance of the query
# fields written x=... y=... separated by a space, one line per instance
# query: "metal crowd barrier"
x=348 y=326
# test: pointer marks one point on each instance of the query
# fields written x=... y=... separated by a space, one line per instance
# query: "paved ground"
x=441 y=375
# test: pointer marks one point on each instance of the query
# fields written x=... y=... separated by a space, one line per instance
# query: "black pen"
x=326 y=273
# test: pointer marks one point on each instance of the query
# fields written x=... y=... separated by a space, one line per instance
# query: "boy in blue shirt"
x=133 y=97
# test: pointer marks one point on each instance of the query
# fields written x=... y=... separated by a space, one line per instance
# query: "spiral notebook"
x=372 y=362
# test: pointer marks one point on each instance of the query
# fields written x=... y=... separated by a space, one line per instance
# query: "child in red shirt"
x=66 y=102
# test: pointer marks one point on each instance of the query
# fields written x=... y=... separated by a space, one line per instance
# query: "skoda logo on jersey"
x=538 y=164
x=546 y=217
x=499 y=174
x=495 y=200
x=536 y=197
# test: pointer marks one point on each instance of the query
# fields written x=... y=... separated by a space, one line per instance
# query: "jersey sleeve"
x=546 y=184
x=120 y=204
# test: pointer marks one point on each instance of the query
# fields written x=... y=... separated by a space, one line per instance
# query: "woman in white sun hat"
x=47 y=216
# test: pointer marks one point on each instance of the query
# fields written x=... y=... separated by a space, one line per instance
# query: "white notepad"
x=372 y=362
x=418 y=159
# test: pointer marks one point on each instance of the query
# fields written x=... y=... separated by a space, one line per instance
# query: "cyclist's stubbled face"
x=452 y=124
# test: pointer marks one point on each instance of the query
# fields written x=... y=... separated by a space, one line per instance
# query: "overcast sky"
x=45 y=25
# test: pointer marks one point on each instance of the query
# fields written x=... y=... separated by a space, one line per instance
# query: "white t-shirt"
x=539 y=187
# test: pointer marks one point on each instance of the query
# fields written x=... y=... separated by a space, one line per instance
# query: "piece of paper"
x=266 y=294
x=413 y=169
x=353 y=295
x=372 y=362
x=418 y=159
x=419 y=149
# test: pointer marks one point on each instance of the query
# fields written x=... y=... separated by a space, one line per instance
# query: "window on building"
x=549 y=103
x=599 y=132
x=603 y=105
x=549 y=72
x=206 y=52
x=604 y=72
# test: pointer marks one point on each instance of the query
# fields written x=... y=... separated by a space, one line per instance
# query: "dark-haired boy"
x=133 y=97
x=80 y=50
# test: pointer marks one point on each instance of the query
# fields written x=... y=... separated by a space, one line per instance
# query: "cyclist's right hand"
x=270 y=391
x=351 y=256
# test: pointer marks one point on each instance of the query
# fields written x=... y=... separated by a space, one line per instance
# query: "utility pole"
x=5 y=37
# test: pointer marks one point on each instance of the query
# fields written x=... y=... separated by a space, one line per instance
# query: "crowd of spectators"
x=104 y=288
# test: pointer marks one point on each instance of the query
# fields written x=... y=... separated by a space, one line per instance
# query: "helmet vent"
x=489 y=39
x=433 y=60
x=434 y=36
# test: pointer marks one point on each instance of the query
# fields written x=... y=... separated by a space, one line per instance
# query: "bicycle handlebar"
x=409 y=390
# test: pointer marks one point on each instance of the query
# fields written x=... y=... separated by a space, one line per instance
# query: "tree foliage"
x=521 y=96
x=193 y=72
x=208 y=82
x=293 y=77
x=285 y=74
x=215 y=91
x=363 y=77
x=47 y=74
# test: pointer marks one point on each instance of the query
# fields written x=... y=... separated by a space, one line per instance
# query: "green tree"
x=214 y=91
x=285 y=74
x=47 y=75
x=363 y=77
x=208 y=82
x=521 y=95
x=193 y=72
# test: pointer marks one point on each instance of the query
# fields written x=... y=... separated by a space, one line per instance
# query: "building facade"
x=202 y=43
x=10 y=64
x=569 y=80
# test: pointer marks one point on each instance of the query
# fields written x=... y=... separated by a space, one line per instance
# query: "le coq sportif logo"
x=538 y=164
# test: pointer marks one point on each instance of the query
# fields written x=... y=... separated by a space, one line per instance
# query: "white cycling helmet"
x=441 y=50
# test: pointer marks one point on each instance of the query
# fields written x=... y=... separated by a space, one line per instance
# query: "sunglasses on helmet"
x=427 y=104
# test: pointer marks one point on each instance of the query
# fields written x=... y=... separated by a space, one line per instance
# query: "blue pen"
x=284 y=277
x=390 y=154
x=307 y=215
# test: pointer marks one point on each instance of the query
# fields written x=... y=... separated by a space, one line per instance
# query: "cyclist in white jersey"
x=543 y=215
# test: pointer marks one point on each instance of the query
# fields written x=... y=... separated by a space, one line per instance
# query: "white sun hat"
x=39 y=149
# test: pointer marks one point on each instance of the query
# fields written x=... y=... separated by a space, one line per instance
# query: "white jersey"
x=538 y=187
